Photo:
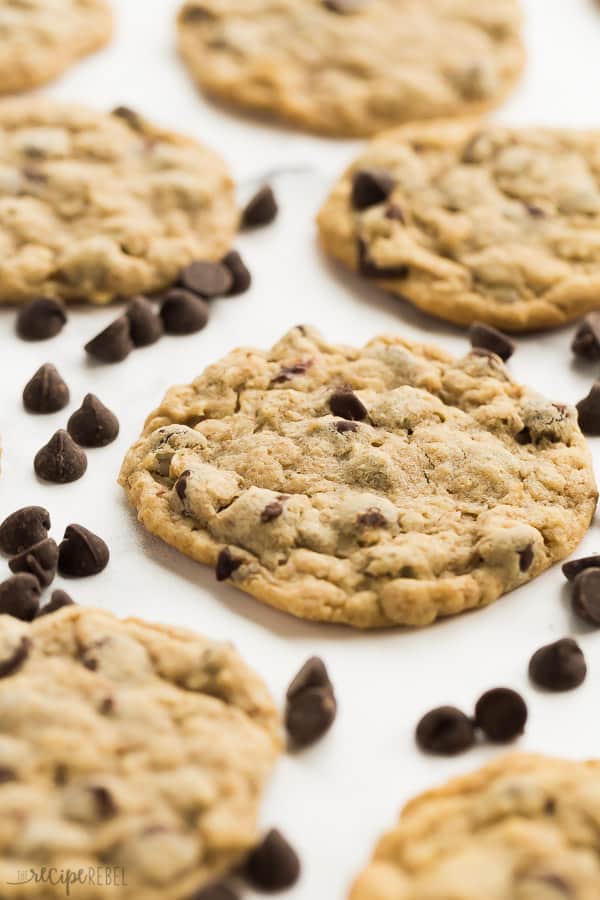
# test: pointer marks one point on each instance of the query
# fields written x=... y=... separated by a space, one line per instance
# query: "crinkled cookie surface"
x=486 y=223
x=455 y=486
x=523 y=828
x=353 y=67
x=127 y=747
x=39 y=39
x=95 y=205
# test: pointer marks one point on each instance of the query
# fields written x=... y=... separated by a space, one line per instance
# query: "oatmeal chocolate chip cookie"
x=385 y=485
x=95 y=206
x=40 y=39
x=522 y=828
x=353 y=68
x=474 y=221
x=127 y=745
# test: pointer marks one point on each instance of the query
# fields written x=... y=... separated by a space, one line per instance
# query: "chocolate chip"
x=133 y=119
x=58 y=600
x=312 y=674
x=523 y=437
x=445 y=731
x=369 y=269
x=145 y=325
x=46 y=392
x=39 y=560
x=81 y=553
x=586 y=342
x=395 y=213
x=346 y=405
x=7 y=775
x=113 y=344
x=287 y=373
x=15 y=661
x=372 y=518
x=271 y=511
x=273 y=865
x=586 y=596
x=93 y=424
x=572 y=568
x=226 y=564
x=536 y=212
x=242 y=279
x=105 y=804
x=343 y=426
x=588 y=411
x=344 y=7
x=207 y=279
x=526 y=558
x=559 y=666
x=488 y=338
x=41 y=319
x=60 y=460
x=181 y=484
x=501 y=714
x=309 y=715
x=20 y=596
x=262 y=209
x=219 y=891
x=369 y=187
x=24 y=528
x=183 y=312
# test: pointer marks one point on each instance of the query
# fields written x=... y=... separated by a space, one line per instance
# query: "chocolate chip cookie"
x=127 y=746
x=385 y=485
x=473 y=221
x=353 y=67
x=96 y=206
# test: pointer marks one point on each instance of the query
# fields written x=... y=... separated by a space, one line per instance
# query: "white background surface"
x=334 y=800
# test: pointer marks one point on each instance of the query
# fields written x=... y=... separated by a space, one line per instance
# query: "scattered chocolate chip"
x=487 y=338
x=523 y=437
x=133 y=119
x=287 y=373
x=20 y=596
x=273 y=865
x=369 y=187
x=46 y=392
x=559 y=666
x=207 y=279
x=226 y=564
x=369 y=269
x=262 y=209
x=572 y=568
x=445 y=731
x=183 y=312
x=13 y=663
x=586 y=596
x=526 y=558
x=271 y=511
x=23 y=529
x=395 y=213
x=346 y=405
x=181 y=484
x=41 y=319
x=93 y=424
x=58 y=600
x=7 y=775
x=145 y=325
x=372 y=518
x=586 y=342
x=60 y=460
x=105 y=804
x=343 y=426
x=113 y=344
x=309 y=715
x=588 y=410
x=39 y=560
x=219 y=891
x=81 y=553
x=501 y=714
x=312 y=674
x=242 y=279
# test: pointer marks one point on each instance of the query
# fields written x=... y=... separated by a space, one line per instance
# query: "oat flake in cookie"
x=444 y=485
x=40 y=39
x=350 y=68
x=482 y=223
x=131 y=745
x=95 y=206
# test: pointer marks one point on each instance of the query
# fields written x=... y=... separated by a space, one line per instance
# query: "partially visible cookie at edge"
x=138 y=748
x=375 y=486
x=469 y=220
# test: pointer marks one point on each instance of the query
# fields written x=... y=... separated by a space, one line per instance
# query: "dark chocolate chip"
x=572 y=568
x=242 y=279
x=46 y=392
x=346 y=405
x=41 y=319
x=40 y=561
x=287 y=373
x=113 y=344
x=312 y=674
x=81 y=553
x=523 y=437
x=586 y=342
x=20 y=596
x=262 y=209
x=526 y=557
x=271 y=511
x=61 y=460
x=219 y=891
x=14 y=662
x=369 y=187
x=369 y=269
x=501 y=714
x=105 y=804
x=395 y=213
x=181 y=484
x=58 y=600
x=93 y=424
x=207 y=279
x=226 y=564
x=273 y=865
x=344 y=7
x=24 y=528
x=145 y=325
x=309 y=715
x=183 y=312
x=372 y=518
x=487 y=338
x=133 y=119
x=445 y=731
x=559 y=666
x=7 y=775
x=588 y=411
x=343 y=426
x=586 y=596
